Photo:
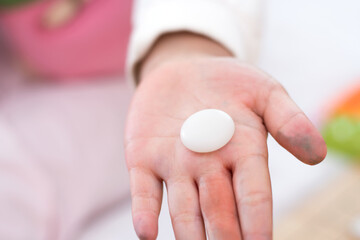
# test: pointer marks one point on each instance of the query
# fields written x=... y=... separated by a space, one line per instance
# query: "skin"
x=225 y=194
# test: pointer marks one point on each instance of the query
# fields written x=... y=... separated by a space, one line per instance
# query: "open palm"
x=226 y=193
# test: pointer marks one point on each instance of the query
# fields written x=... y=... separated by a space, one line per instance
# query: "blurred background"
x=311 y=47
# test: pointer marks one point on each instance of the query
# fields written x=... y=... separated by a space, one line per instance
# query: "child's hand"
x=226 y=193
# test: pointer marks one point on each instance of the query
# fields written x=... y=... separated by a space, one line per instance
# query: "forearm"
x=180 y=45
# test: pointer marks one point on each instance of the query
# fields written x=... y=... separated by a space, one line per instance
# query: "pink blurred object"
x=93 y=43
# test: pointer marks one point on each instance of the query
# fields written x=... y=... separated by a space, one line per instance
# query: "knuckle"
x=222 y=217
x=255 y=198
x=213 y=177
x=145 y=198
x=145 y=204
x=178 y=180
x=276 y=87
x=272 y=89
x=132 y=159
x=141 y=216
x=144 y=210
x=241 y=160
x=187 y=217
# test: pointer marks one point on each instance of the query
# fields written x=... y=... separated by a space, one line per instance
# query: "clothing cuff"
x=212 y=19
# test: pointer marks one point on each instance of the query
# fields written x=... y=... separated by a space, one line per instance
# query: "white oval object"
x=207 y=130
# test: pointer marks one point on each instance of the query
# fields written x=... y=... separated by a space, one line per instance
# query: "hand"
x=226 y=193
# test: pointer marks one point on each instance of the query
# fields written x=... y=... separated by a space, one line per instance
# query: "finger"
x=146 y=194
x=218 y=206
x=251 y=181
x=184 y=209
x=292 y=129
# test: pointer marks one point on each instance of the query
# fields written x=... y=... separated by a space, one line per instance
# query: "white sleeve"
x=232 y=23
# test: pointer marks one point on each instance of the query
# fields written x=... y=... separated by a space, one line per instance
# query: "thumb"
x=291 y=128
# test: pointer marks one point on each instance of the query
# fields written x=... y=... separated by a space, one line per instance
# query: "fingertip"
x=310 y=149
x=316 y=149
x=146 y=191
x=323 y=149
x=303 y=140
x=146 y=226
x=320 y=152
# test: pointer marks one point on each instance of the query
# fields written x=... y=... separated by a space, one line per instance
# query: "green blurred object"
x=13 y=3
x=342 y=134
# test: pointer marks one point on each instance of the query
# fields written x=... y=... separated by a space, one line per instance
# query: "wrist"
x=179 y=46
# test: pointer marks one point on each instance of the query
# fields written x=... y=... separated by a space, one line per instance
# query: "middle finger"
x=218 y=204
